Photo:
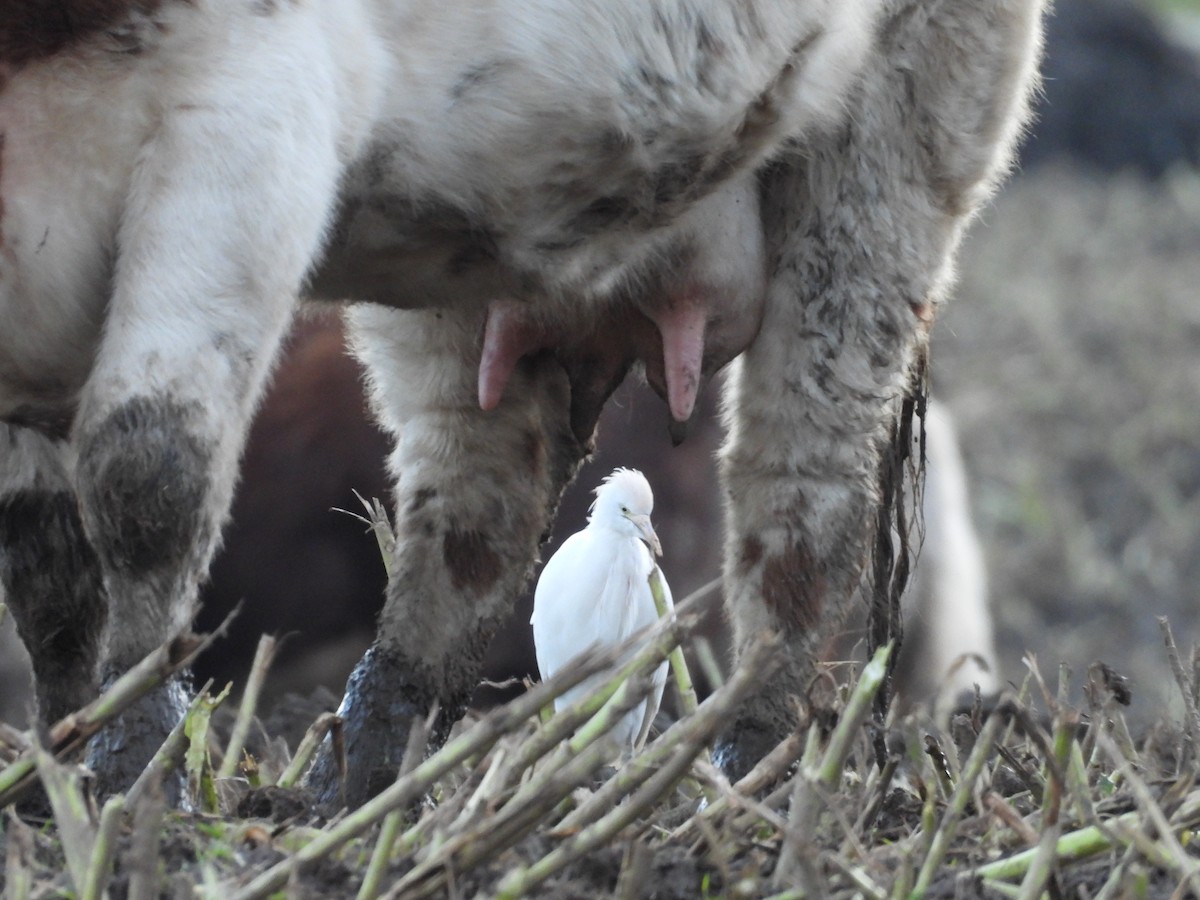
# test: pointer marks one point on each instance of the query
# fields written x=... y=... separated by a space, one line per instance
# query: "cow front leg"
x=224 y=215
x=475 y=491
x=860 y=231
x=49 y=574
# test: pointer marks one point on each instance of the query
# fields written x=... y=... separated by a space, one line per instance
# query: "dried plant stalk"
x=263 y=656
x=759 y=662
x=473 y=742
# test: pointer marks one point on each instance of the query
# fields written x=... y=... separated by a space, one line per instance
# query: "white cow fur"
x=554 y=175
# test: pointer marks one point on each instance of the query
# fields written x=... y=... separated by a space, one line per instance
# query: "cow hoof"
x=377 y=713
x=740 y=748
x=122 y=749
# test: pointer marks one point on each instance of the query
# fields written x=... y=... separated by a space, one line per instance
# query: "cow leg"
x=49 y=574
x=159 y=439
x=859 y=234
x=948 y=645
x=224 y=215
x=475 y=491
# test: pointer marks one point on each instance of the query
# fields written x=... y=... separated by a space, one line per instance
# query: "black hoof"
x=33 y=807
x=378 y=712
x=120 y=751
x=740 y=748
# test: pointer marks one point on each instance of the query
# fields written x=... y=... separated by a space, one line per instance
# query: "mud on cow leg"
x=386 y=694
x=860 y=231
x=475 y=491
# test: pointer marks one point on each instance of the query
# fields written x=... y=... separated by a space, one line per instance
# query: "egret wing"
x=566 y=588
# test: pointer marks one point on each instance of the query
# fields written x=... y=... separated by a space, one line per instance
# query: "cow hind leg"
x=49 y=573
x=860 y=231
x=474 y=494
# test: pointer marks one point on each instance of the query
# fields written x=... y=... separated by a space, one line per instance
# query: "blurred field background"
x=1070 y=356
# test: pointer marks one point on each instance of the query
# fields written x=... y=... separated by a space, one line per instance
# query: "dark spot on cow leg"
x=143 y=477
x=752 y=552
x=794 y=588
x=472 y=563
x=119 y=752
x=420 y=498
x=53 y=586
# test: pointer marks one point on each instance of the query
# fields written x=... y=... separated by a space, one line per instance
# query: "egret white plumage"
x=595 y=592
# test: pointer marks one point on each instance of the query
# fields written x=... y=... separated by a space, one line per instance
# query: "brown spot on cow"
x=420 y=498
x=472 y=562
x=751 y=555
x=794 y=588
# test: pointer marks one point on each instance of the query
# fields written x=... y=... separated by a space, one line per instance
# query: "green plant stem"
x=70 y=733
x=388 y=832
x=141 y=860
x=811 y=781
x=103 y=849
x=984 y=743
x=1070 y=847
x=308 y=746
x=76 y=830
x=643 y=766
x=651 y=649
x=245 y=715
x=768 y=770
x=18 y=880
x=758 y=664
x=169 y=755
x=418 y=737
x=679 y=666
x=852 y=718
x=476 y=740
x=487 y=839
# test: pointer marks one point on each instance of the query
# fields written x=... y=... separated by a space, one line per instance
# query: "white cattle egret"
x=594 y=592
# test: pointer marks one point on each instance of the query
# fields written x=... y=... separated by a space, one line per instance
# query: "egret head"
x=624 y=503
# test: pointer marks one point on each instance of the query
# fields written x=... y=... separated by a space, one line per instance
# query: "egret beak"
x=642 y=523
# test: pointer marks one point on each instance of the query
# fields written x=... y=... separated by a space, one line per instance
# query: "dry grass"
x=1035 y=797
